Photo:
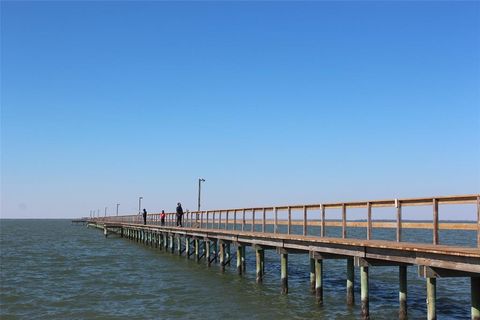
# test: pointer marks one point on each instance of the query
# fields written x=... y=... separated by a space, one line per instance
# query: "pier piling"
x=475 y=293
x=402 y=292
x=319 y=280
x=350 y=282
x=364 y=292
x=312 y=274
x=284 y=272
x=431 y=298
x=260 y=263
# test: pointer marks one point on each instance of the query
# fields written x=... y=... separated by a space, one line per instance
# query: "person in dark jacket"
x=162 y=218
x=144 y=216
x=179 y=214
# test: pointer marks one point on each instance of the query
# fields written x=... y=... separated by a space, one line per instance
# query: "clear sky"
x=270 y=102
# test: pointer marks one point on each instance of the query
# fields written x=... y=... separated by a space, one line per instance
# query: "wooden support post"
x=219 y=220
x=312 y=273
x=207 y=252
x=344 y=221
x=431 y=298
x=105 y=232
x=222 y=255
x=172 y=245
x=197 y=250
x=475 y=294
x=179 y=245
x=364 y=292
x=402 y=292
x=350 y=282
x=284 y=272
x=319 y=280
x=228 y=256
x=260 y=264
x=435 y=221
x=187 y=247
x=240 y=259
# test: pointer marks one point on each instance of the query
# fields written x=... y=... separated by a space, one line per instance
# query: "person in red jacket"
x=162 y=218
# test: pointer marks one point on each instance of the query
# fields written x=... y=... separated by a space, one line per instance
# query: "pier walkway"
x=302 y=229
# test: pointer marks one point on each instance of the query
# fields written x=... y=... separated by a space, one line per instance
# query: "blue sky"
x=271 y=102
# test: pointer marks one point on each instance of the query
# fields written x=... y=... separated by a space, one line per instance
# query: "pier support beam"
x=402 y=292
x=431 y=298
x=105 y=232
x=312 y=274
x=284 y=272
x=319 y=280
x=260 y=264
x=172 y=245
x=364 y=292
x=179 y=245
x=475 y=292
x=350 y=282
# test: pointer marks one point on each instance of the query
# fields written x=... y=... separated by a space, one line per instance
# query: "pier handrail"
x=247 y=217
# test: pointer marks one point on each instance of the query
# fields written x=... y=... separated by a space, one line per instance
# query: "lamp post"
x=200 y=180
x=117 y=208
x=106 y=211
x=140 y=205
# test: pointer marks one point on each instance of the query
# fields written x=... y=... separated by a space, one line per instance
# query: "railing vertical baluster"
x=208 y=213
x=201 y=219
x=289 y=228
x=213 y=219
x=435 y=221
x=344 y=221
x=304 y=220
x=219 y=219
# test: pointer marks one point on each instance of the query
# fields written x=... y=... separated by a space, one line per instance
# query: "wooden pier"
x=210 y=235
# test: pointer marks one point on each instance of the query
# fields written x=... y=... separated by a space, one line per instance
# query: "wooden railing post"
x=289 y=229
x=369 y=221
x=478 y=221
x=398 y=204
x=275 y=227
x=234 y=219
x=253 y=220
x=322 y=227
x=263 y=219
x=344 y=221
x=243 y=219
x=435 y=221
x=226 y=220
x=304 y=220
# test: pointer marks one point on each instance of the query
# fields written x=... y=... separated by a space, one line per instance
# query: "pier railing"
x=279 y=219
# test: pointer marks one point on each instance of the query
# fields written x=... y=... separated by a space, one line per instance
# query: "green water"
x=52 y=269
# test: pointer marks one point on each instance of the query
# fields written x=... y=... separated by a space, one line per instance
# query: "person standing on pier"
x=179 y=214
x=144 y=216
x=162 y=218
